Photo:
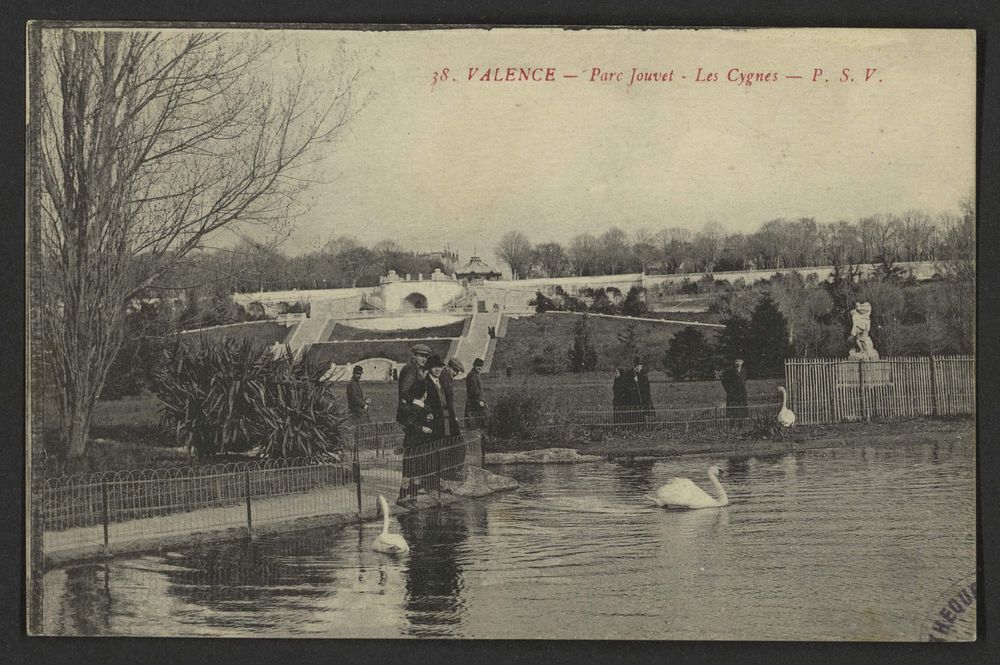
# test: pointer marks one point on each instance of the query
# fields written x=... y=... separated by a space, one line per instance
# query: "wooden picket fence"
x=829 y=391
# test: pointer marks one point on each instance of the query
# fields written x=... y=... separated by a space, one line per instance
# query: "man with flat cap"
x=475 y=405
x=413 y=372
x=357 y=405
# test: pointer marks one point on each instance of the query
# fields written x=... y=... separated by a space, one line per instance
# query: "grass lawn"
x=126 y=433
x=587 y=392
x=551 y=334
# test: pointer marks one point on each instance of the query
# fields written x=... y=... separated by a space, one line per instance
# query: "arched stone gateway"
x=414 y=301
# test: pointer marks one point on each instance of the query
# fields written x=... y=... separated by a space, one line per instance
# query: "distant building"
x=447 y=257
x=476 y=270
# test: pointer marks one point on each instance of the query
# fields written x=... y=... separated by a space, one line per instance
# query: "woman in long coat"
x=445 y=425
x=418 y=433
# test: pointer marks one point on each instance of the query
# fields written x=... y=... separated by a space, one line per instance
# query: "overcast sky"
x=465 y=161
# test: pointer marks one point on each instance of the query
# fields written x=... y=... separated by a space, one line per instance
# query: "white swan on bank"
x=682 y=493
x=389 y=543
x=786 y=416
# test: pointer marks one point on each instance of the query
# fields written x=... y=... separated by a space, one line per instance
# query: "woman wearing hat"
x=445 y=426
x=417 y=421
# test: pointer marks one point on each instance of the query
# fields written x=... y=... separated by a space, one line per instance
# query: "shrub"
x=635 y=302
x=516 y=412
x=543 y=303
x=547 y=361
x=689 y=356
x=231 y=396
x=766 y=426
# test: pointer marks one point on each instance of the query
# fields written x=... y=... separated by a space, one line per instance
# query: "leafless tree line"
x=777 y=244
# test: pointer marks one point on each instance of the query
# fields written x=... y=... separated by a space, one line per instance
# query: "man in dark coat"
x=475 y=405
x=411 y=416
x=413 y=372
x=734 y=382
x=619 y=396
x=357 y=405
x=642 y=399
x=448 y=378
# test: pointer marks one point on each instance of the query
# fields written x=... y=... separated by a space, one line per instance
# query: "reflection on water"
x=856 y=543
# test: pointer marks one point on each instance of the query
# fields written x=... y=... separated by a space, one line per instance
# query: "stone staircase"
x=476 y=342
x=309 y=331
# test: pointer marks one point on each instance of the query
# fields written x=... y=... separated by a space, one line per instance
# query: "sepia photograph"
x=523 y=333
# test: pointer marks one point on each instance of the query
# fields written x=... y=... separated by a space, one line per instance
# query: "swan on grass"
x=786 y=416
x=388 y=543
x=682 y=493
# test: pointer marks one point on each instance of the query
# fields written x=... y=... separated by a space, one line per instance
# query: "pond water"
x=857 y=543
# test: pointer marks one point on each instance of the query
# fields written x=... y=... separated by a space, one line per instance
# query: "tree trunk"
x=77 y=428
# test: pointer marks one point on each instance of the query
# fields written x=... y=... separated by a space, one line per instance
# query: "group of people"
x=426 y=411
x=631 y=400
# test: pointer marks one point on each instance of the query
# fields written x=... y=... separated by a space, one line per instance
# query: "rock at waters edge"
x=543 y=456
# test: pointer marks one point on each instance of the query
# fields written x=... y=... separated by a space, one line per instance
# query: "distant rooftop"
x=476 y=267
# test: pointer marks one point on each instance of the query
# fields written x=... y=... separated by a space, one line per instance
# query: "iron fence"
x=94 y=513
x=825 y=391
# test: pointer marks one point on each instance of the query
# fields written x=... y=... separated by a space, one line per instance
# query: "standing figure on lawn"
x=734 y=382
x=861 y=324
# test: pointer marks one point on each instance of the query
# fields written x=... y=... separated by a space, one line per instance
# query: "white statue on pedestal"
x=861 y=324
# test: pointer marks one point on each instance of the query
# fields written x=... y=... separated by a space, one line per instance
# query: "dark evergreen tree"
x=629 y=340
x=635 y=302
x=731 y=342
x=582 y=355
x=767 y=341
x=689 y=356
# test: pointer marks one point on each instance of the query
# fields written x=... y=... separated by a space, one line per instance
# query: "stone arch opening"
x=414 y=301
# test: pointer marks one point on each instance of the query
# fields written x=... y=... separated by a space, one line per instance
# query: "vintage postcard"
x=521 y=333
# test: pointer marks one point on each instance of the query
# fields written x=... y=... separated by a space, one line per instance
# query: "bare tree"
x=515 y=250
x=708 y=245
x=150 y=144
x=614 y=251
x=550 y=258
x=583 y=254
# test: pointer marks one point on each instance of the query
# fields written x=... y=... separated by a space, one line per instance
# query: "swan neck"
x=719 y=489
x=784 y=399
x=385 y=515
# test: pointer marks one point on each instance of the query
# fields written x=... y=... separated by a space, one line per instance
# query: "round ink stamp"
x=953 y=616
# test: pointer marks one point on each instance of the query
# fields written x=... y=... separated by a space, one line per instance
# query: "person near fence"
x=444 y=426
x=413 y=372
x=417 y=421
x=357 y=405
x=734 y=382
x=619 y=396
x=475 y=404
x=454 y=457
x=637 y=402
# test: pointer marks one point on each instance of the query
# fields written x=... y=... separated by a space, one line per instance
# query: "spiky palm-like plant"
x=232 y=396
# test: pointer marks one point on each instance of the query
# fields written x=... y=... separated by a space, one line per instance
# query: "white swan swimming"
x=786 y=416
x=682 y=493
x=389 y=543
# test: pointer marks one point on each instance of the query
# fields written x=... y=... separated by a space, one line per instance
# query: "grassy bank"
x=552 y=333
